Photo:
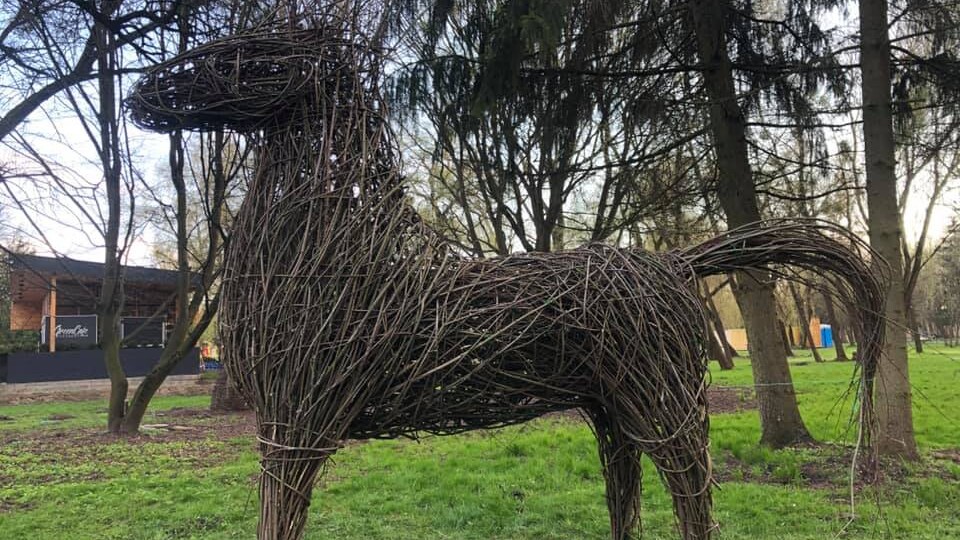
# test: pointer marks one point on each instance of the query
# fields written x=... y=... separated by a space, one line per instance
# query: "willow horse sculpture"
x=344 y=316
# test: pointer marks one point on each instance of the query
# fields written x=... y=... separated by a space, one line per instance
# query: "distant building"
x=66 y=291
x=57 y=297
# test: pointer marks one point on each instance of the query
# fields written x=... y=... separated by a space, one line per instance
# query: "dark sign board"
x=72 y=331
x=142 y=331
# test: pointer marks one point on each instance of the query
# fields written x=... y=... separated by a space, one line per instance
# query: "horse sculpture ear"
x=242 y=83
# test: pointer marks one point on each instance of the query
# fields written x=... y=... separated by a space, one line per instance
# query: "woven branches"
x=243 y=82
x=344 y=316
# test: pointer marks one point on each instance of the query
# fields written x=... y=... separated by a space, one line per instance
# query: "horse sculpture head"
x=246 y=83
x=305 y=99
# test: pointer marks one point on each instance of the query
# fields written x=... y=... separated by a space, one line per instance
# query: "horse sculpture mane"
x=345 y=316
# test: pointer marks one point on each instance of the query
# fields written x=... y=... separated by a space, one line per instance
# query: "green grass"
x=82 y=414
x=935 y=376
x=537 y=481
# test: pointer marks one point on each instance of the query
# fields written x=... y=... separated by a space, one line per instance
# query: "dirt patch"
x=726 y=399
x=59 y=417
x=950 y=454
x=193 y=387
x=720 y=400
x=184 y=425
x=827 y=466
x=13 y=506
x=194 y=438
x=184 y=412
x=823 y=467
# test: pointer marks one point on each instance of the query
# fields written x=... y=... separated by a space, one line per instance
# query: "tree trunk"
x=224 y=396
x=111 y=290
x=836 y=328
x=785 y=338
x=718 y=347
x=148 y=388
x=893 y=399
x=914 y=328
x=780 y=420
x=721 y=329
x=714 y=347
x=110 y=343
x=804 y=317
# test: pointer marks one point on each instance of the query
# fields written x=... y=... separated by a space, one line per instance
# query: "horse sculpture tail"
x=783 y=246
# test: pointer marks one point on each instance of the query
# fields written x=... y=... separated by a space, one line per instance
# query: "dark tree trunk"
x=914 y=328
x=719 y=348
x=224 y=396
x=780 y=421
x=804 y=316
x=194 y=307
x=721 y=329
x=836 y=328
x=786 y=338
x=716 y=348
x=173 y=350
x=110 y=343
x=893 y=399
x=147 y=388
x=111 y=290
x=781 y=424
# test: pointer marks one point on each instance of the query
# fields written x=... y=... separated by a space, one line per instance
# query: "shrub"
x=18 y=341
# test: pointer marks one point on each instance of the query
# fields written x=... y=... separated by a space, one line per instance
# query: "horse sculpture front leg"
x=287 y=476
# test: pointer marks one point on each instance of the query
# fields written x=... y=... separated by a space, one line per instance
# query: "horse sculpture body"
x=345 y=316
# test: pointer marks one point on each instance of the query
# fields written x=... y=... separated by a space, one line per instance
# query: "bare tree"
x=38 y=64
x=929 y=150
x=564 y=157
x=207 y=184
x=893 y=399
x=781 y=423
x=95 y=103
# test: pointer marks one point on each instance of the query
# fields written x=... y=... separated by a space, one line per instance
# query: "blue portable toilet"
x=826 y=335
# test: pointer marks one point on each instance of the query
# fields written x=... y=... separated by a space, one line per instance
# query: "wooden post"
x=52 y=337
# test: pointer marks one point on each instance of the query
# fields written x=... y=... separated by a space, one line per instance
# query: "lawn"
x=61 y=478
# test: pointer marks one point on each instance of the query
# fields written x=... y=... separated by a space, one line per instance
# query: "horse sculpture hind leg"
x=682 y=459
x=687 y=477
x=652 y=395
x=686 y=474
x=620 y=459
